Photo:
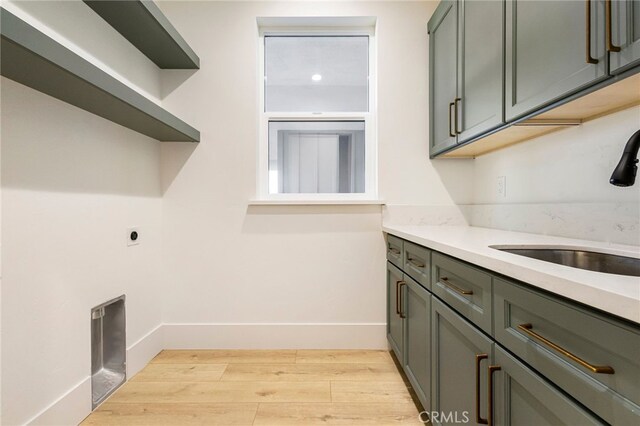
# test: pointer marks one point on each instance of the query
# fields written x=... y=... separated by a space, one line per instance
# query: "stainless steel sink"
x=582 y=259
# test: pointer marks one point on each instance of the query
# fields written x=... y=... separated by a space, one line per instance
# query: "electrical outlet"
x=502 y=186
x=133 y=236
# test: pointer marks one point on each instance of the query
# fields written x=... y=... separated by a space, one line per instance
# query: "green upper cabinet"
x=443 y=31
x=552 y=50
x=465 y=71
x=503 y=72
x=480 y=68
x=624 y=48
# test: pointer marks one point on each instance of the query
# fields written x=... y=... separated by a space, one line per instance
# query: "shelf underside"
x=146 y=27
x=37 y=61
x=607 y=100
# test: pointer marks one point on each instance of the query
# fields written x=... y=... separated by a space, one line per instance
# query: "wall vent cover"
x=108 y=349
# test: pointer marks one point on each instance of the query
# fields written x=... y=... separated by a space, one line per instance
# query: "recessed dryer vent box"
x=108 y=349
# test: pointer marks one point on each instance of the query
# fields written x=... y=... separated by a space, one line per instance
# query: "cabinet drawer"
x=566 y=343
x=395 y=250
x=524 y=398
x=417 y=263
x=463 y=287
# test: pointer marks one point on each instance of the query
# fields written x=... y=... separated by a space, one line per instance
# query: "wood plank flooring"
x=263 y=387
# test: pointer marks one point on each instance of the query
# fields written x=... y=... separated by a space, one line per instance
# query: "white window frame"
x=369 y=118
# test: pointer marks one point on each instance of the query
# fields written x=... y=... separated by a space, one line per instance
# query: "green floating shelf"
x=146 y=27
x=32 y=58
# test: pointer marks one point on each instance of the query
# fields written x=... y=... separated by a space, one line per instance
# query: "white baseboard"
x=275 y=336
x=141 y=352
x=70 y=409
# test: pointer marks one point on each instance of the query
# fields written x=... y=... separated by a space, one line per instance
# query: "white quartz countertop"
x=616 y=294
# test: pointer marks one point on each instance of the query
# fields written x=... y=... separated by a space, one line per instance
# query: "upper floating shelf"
x=32 y=58
x=145 y=26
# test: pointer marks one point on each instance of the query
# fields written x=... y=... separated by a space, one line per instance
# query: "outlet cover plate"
x=502 y=186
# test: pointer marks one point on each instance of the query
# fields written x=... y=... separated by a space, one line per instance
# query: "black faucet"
x=625 y=172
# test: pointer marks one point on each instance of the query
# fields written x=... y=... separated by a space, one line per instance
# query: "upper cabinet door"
x=625 y=34
x=548 y=52
x=443 y=30
x=480 y=67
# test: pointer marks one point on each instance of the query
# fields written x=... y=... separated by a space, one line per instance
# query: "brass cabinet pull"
x=399 y=299
x=415 y=263
x=601 y=369
x=450 y=133
x=399 y=285
x=608 y=30
x=456 y=102
x=479 y=419
x=590 y=59
x=492 y=369
x=445 y=281
x=394 y=251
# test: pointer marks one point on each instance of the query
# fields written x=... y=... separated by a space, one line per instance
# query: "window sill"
x=315 y=202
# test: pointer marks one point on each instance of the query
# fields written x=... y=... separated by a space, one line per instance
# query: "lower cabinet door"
x=523 y=398
x=416 y=308
x=460 y=355
x=395 y=332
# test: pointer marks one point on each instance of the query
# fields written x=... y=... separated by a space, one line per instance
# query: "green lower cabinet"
x=459 y=360
x=395 y=325
x=522 y=398
x=416 y=308
x=529 y=359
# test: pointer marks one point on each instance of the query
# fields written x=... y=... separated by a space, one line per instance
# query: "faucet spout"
x=625 y=172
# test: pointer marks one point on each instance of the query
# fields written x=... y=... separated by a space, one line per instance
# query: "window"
x=317 y=112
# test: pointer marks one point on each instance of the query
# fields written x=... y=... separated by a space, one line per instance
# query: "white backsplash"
x=606 y=222
x=452 y=215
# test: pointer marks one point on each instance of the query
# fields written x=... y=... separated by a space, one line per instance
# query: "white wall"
x=558 y=184
x=570 y=166
x=226 y=262
x=71 y=185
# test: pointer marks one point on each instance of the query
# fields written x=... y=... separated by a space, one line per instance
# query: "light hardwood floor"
x=263 y=387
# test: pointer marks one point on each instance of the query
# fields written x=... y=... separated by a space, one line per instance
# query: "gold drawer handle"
x=455 y=115
x=399 y=285
x=479 y=419
x=590 y=59
x=608 y=28
x=394 y=251
x=601 y=369
x=415 y=263
x=451 y=134
x=445 y=281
